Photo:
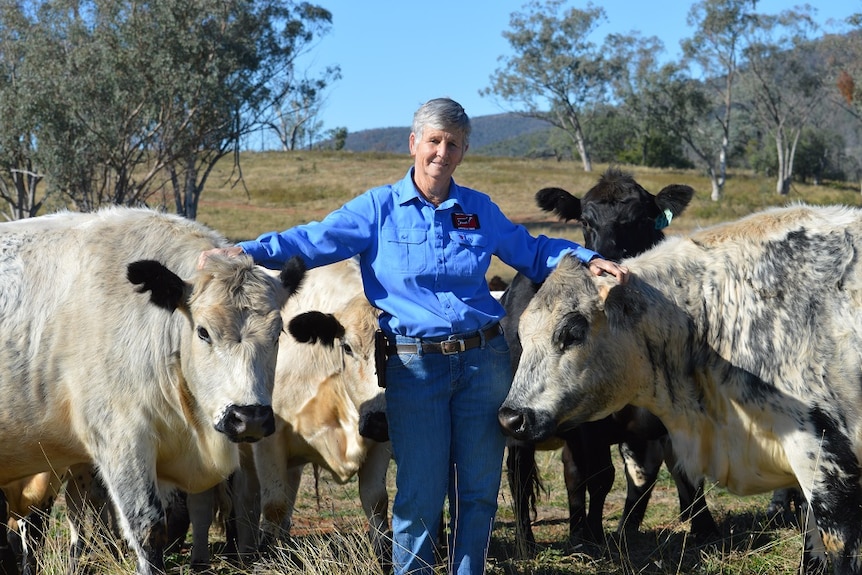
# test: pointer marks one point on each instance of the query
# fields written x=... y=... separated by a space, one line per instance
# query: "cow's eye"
x=347 y=349
x=572 y=330
x=204 y=334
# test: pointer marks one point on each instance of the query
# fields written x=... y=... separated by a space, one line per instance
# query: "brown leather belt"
x=447 y=346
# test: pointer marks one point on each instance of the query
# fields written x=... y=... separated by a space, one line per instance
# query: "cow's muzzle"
x=524 y=424
x=247 y=423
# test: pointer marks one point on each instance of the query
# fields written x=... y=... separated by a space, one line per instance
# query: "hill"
x=488 y=137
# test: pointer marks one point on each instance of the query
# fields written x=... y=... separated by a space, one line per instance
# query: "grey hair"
x=442 y=114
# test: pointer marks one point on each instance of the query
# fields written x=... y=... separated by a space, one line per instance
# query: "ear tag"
x=663 y=220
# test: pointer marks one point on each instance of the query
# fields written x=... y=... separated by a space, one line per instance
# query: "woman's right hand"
x=231 y=252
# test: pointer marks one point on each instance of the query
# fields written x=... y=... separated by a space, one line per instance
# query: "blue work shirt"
x=423 y=266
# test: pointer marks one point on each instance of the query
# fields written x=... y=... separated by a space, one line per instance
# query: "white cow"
x=116 y=350
x=325 y=381
x=745 y=339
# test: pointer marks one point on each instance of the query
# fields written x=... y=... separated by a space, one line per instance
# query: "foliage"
x=114 y=100
x=555 y=72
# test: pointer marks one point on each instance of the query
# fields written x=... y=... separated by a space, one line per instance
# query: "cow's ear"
x=675 y=198
x=167 y=289
x=560 y=202
x=314 y=326
x=624 y=306
x=292 y=274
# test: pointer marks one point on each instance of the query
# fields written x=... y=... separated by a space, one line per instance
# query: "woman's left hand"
x=598 y=266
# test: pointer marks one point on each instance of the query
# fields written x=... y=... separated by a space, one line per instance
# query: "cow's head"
x=339 y=351
x=579 y=361
x=228 y=347
x=619 y=217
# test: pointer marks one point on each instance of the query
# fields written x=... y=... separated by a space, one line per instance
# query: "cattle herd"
x=135 y=384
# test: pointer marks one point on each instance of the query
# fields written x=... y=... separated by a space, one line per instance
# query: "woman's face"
x=436 y=155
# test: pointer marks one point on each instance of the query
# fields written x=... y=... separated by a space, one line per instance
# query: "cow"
x=743 y=338
x=620 y=218
x=325 y=381
x=116 y=350
x=28 y=503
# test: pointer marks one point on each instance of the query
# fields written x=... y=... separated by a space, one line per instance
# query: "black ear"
x=314 y=326
x=292 y=274
x=624 y=307
x=560 y=202
x=167 y=289
x=675 y=198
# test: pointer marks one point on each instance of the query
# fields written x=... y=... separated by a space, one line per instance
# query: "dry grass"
x=329 y=537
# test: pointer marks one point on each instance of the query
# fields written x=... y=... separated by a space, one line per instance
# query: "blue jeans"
x=446 y=441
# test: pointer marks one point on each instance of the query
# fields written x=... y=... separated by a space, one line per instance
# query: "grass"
x=284 y=189
x=329 y=537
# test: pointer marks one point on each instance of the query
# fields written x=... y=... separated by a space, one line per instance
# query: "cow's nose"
x=247 y=423
x=512 y=421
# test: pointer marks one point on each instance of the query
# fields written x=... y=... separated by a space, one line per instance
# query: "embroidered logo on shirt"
x=465 y=221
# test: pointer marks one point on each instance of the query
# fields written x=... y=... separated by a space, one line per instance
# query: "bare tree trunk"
x=582 y=150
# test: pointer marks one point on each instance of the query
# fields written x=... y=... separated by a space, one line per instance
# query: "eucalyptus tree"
x=555 y=73
x=713 y=54
x=133 y=98
x=635 y=61
x=785 y=82
x=20 y=175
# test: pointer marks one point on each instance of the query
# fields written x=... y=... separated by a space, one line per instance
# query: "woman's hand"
x=231 y=252
x=598 y=266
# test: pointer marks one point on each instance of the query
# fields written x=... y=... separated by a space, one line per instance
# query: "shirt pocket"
x=470 y=254
x=405 y=250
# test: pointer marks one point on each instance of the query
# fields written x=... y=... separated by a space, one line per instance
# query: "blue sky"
x=396 y=54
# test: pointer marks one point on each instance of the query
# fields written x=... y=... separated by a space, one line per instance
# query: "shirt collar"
x=406 y=192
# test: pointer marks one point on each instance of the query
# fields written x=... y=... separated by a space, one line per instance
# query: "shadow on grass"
x=664 y=551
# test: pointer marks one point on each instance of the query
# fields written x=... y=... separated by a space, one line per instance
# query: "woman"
x=425 y=244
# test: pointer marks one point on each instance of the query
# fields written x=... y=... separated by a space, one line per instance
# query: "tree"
x=136 y=97
x=682 y=107
x=634 y=62
x=299 y=106
x=715 y=49
x=19 y=177
x=784 y=78
x=556 y=73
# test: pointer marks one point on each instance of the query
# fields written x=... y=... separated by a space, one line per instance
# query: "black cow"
x=620 y=219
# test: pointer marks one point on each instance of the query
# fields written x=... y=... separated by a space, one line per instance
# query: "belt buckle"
x=451 y=346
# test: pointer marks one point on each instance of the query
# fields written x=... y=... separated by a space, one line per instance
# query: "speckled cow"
x=745 y=339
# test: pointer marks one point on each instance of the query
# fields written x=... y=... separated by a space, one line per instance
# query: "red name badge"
x=465 y=221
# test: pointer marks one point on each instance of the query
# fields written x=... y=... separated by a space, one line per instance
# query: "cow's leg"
x=8 y=559
x=77 y=487
x=524 y=485
x=786 y=507
x=242 y=537
x=133 y=488
x=86 y=494
x=200 y=506
x=587 y=464
x=277 y=505
x=692 y=500
x=178 y=520
x=375 y=500
x=32 y=534
x=642 y=461
x=814 y=557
